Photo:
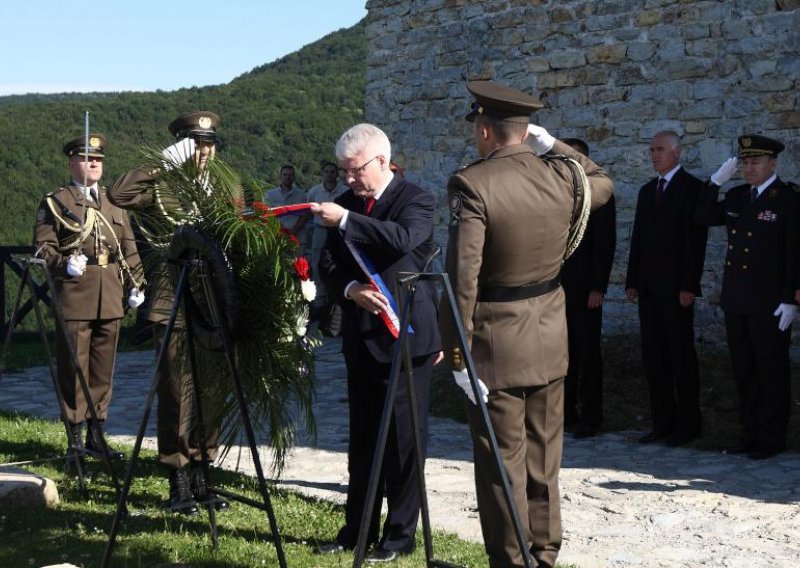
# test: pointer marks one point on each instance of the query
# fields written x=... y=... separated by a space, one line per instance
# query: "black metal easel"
x=180 y=300
x=75 y=451
x=401 y=358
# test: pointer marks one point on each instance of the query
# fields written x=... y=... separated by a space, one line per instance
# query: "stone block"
x=21 y=489
x=687 y=68
x=647 y=18
x=695 y=126
x=538 y=64
x=613 y=53
x=567 y=59
x=787 y=5
x=640 y=50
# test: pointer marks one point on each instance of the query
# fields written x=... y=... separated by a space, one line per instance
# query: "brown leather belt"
x=514 y=293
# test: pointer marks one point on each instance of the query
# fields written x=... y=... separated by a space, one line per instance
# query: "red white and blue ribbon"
x=388 y=315
x=289 y=210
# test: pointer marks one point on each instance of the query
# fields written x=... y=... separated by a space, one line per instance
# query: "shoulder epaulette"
x=462 y=168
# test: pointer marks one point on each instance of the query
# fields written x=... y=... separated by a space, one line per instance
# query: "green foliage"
x=199 y=214
x=288 y=111
x=76 y=531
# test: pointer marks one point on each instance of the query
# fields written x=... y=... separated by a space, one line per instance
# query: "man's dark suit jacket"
x=667 y=247
x=397 y=237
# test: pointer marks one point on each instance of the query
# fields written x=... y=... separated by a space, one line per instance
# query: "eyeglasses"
x=345 y=173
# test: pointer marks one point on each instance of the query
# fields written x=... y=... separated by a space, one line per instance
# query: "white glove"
x=76 y=265
x=786 y=313
x=540 y=139
x=178 y=153
x=462 y=380
x=725 y=172
x=135 y=298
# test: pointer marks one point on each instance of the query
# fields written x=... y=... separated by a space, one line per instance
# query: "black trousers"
x=367 y=382
x=583 y=386
x=670 y=363
x=760 y=359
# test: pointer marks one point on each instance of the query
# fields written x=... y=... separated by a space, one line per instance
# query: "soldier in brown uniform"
x=89 y=248
x=197 y=139
x=510 y=217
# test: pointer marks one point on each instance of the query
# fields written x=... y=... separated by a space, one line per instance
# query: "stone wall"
x=611 y=72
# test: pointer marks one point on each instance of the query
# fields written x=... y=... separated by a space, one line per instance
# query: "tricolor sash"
x=389 y=315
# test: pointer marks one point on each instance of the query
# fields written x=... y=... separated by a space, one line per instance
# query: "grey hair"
x=674 y=137
x=358 y=138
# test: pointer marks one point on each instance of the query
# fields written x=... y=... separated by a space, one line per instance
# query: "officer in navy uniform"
x=758 y=288
x=90 y=250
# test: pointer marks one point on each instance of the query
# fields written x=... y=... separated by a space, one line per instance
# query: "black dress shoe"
x=742 y=447
x=764 y=453
x=330 y=548
x=680 y=438
x=381 y=555
x=585 y=432
x=651 y=437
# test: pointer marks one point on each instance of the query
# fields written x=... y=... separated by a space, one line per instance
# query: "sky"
x=57 y=46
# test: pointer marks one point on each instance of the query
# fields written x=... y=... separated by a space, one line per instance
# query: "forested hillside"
x=288 y=111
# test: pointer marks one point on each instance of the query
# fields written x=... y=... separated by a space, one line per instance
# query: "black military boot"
x=95 y=442
x=180 y=493
x=75 y=445
x=198 y=484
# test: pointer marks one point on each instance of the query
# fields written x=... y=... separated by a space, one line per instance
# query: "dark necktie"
x=370 y=203
x=753 y=193
x=660 y=190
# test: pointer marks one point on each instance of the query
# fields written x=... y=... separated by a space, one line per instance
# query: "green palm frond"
x=274 y=361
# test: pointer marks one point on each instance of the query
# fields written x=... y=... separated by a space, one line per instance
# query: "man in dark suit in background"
x=584 y=277
x=665 y=264
x=758 y=288
x=391 y=221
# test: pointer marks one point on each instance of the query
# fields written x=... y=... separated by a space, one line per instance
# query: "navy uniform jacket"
x=761 y=260
x=667 y=247
x=397 y=237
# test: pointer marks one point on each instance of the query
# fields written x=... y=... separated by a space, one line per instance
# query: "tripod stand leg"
x=487 y=423
x=248 y=427
x=121 y=511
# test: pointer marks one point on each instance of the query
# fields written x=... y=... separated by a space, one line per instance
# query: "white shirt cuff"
x=343 y=220
x=347 y=289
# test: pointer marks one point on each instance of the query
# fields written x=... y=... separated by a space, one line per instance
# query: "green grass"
x=77 y=531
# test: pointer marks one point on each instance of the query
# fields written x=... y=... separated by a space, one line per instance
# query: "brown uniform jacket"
x=134 y=191
x=509 y=221
x=100 y=292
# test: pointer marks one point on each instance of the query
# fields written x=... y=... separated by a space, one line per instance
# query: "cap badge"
x=94 y=142
x=746 y=142
x=204 y=122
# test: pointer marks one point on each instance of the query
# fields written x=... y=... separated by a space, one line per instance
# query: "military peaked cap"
x=501 y=102
x=96 y=147
x=198 y=124
x=751 y=145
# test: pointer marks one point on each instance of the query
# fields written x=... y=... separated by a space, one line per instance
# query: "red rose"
x=302 y=267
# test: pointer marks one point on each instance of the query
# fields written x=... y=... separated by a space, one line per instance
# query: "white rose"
x=309 y=290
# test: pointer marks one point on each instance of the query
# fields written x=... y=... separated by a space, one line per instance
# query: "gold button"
x=746 y=249
x=733 y=231
x=749 y=233
x=728 y=263
x=744 y=267
x=730 y=247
